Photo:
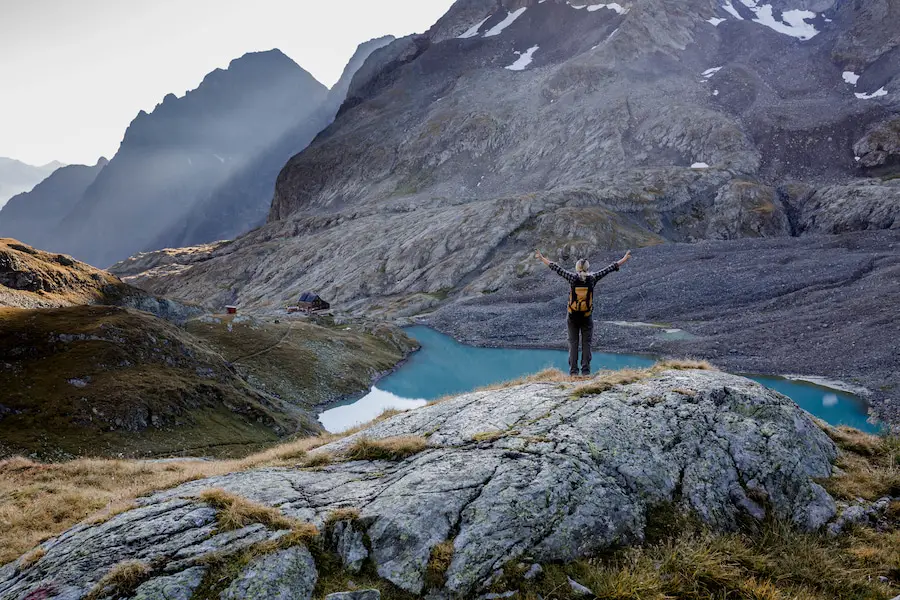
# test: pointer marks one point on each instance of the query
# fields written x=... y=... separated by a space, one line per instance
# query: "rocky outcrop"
x=536 y=470
x=31 y=278
x=880 y=147
x=845 y=208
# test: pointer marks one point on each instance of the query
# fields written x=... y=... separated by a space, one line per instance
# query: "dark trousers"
x=581 y=333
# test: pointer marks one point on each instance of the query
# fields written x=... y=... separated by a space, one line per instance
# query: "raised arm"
x=567 y=275
x=611 y=268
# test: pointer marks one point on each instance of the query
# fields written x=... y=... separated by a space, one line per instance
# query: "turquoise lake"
x=444 y=366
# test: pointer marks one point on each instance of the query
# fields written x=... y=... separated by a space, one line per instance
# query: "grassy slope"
x=313 y=362
x=105 y=381
x=52 y=280
x=102 y=381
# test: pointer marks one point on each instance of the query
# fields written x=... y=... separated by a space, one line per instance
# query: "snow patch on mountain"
x=851 y=77
x=524 y=60
x=876 y=94
x=595 y=7
x=473 y=30
x=793 y=22
x=710 y=72
x=509 y=20
x=715 y=21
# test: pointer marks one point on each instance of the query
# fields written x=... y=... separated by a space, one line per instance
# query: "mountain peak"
x=273 y=57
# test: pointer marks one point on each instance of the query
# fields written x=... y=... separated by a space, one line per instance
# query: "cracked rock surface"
x=528 y=471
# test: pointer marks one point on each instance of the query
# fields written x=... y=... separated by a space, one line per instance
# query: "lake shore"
x=821 y=306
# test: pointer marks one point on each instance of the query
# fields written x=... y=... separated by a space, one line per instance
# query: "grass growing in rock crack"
x=493 y=436
x=121 y=580
x=235 y=512
x=334 y=577
x=438 y=564
x=342 y=514
x=395 y=449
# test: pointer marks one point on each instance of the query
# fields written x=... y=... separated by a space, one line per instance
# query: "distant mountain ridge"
x=577 y=127
x=175 y=156
x=242 y=202
x=35 y=216
x=196 y=169
x=17 y=177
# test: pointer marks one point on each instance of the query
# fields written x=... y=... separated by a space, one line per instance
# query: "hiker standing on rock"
x=581 y=306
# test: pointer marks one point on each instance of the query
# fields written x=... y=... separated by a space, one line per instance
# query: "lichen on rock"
x=570 y=478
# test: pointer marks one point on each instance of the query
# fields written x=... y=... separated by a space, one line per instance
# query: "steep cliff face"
x=187 y=147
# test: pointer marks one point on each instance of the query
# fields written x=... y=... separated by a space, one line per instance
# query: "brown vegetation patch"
x=765 y=561
x=394 y=449
x=608 y=380
x=121 y=581
x=870 y=465
x=39 y=501
x=493 y=436
x=32 y=557
x=438 y=564
x=235 y=512
x=342 y=514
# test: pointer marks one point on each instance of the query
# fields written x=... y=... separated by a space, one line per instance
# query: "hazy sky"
x=74 y=73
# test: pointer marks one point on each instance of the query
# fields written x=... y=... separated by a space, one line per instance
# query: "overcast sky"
x=73 y=74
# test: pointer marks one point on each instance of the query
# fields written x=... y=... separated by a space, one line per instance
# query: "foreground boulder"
x=544 y=471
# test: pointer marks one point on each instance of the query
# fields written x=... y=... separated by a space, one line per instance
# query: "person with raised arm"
x=581 y=306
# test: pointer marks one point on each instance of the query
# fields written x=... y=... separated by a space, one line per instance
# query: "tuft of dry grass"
x=493 y=436
x=394 y=449
x=235 y=512
x=684 y=365
x=32 y=557
x=545 y=376
x=121 y=581
x=318 y=459
x=342 y=514
x=438 y=564
x=870 y=465
x=685 y=391
x=608 y=380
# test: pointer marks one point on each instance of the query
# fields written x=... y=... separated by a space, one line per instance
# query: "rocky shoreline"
x=821 y=306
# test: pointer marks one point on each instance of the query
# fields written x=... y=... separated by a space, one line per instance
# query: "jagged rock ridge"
x=242 y=202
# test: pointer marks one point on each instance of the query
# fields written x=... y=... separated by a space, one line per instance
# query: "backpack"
x=581 y=299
